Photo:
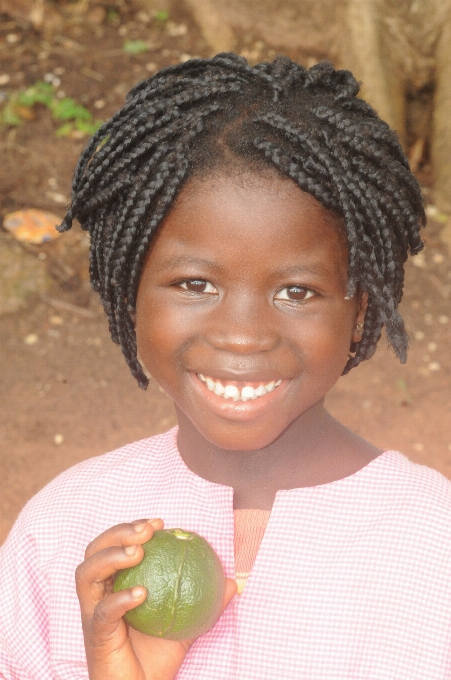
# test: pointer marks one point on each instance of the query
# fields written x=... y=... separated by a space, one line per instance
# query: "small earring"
x=359 y=327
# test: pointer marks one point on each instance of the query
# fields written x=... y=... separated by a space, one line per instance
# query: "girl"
x=248 y=229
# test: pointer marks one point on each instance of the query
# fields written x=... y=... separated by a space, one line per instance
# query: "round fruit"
x=185 y=586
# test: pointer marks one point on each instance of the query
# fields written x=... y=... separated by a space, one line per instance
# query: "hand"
x=113 y=649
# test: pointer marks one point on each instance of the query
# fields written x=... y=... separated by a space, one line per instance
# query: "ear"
x=360 y=317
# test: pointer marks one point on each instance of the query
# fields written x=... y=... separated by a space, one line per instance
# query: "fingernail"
x=130 y=550
x=137 y=592
x=140 y=524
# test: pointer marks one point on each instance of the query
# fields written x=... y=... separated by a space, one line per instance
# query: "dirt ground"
x=65 y=391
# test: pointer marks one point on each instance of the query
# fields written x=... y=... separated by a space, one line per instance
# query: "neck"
x=295 y=459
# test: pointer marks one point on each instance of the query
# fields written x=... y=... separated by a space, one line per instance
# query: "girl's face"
x=241 y=311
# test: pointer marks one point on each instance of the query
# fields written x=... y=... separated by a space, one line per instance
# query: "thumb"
x=230 y=591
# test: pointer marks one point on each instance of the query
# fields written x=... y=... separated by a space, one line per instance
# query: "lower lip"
x=238 y=410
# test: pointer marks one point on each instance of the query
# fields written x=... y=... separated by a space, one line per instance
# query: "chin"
x=240 y=439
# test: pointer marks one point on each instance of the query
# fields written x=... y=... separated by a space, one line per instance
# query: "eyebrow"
x=315 y=269
x=174 y=262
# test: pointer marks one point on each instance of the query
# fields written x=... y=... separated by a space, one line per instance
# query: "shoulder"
x=411 y=487
x=123 y=464
x=101 y=491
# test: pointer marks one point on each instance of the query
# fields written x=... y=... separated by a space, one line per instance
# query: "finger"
x=93 y=575
x=108 y=613
x=139 y=531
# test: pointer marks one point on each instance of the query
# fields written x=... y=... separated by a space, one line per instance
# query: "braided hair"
x=207 y=114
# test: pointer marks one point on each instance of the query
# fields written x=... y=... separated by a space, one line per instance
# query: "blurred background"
x=65 y=391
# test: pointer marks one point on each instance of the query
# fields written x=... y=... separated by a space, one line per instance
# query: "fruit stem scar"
x=182 y=535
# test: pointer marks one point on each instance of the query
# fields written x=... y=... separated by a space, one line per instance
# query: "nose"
x=242 y=325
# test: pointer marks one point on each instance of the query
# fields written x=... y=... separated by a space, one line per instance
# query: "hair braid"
x=208 y=114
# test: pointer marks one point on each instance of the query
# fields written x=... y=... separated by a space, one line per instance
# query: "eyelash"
x=309 y=293
x=184 y=285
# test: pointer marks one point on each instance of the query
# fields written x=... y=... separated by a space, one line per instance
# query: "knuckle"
x=101 y=615
x=80 y=575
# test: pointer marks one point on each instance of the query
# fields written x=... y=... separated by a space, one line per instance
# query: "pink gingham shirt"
x=352 y=580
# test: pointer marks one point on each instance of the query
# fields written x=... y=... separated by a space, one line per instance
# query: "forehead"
x=260 y=215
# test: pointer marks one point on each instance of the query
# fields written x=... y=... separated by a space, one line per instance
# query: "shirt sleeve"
x=24 y=640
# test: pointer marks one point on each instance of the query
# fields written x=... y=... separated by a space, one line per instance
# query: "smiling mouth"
x=235 y=393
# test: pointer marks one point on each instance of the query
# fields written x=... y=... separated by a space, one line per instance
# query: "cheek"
x=157 y=336
x=329 y=345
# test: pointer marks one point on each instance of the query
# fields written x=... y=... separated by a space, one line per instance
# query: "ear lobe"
x=360 y=317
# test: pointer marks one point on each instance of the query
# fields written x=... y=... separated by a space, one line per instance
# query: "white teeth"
x=247 y=392
x=210 y=384
x=219 y=389
x=233 y=392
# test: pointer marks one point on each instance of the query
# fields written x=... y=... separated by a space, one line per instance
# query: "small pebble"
x=432 y=346
x=42 y=256
x=12 y=38
x=175 y=30
x=31 y=339
x=443 y=319
x=56 y=320
x=184 y=58
x=99 y=104
x=418 y=447
x=151 y=67
x=434 y=366
x=418 y=335
x=419 y=261
x=431 y=210
x=4 y=79
x=143 y=17
x=366 y=404
x=58 y=439
x=52 y=79
x=56 y=197
x=59 y=70
x=437 y=258
x=94 y=341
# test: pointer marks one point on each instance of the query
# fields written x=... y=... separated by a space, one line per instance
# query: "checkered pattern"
x=352 y=580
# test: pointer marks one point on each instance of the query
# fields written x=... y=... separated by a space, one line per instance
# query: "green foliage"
x=76 y=116
x=134 y=47
x=8 y=114
x=113 y=15
x=39 y=93
x=161 y=17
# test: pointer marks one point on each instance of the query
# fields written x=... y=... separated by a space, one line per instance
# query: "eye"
x=294 y=294
x=198 y=286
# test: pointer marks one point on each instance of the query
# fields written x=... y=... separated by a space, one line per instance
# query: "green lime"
x=185 y=586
